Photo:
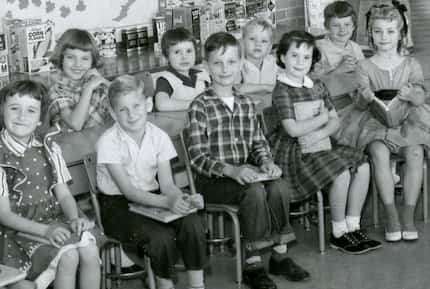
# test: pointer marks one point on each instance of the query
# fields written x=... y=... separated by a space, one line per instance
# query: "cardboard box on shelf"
x=4 y=66
x=30 y=46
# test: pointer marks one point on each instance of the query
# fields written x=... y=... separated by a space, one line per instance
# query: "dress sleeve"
x=4 y=190
x=58 y=103
x=283 y=102
x=325 y=95
x=363 y=81
x=163 y=85
x=63 y=174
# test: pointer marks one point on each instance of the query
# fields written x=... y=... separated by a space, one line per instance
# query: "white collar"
x=307 y=82
x=17 y=147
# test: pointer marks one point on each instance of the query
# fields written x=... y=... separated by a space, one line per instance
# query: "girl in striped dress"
x=342 y=170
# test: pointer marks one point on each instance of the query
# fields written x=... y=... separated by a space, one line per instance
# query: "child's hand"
x=271 y=169
x=80 y=225
x=94 y=81
x=348 y=64
x=368 y=95
x=244 y=174
x=196 y=201
x=179 y=204
x=405 y=92
x=324 y=114
x=57 y=235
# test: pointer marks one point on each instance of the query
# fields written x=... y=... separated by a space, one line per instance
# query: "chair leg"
x=211 y=233
x=221 y=231
x=375 y=204
x=425 y=191
x=321 y=222
x=237 y=241
x=306 y=216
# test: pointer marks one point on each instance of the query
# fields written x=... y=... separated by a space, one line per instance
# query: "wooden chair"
x=269 y=123
x=113 y=249
x=218 y=211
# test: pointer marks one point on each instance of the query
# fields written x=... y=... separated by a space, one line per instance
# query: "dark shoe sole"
x=349 y=252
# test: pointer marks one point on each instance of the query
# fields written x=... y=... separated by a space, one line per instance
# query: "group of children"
x=226 y=144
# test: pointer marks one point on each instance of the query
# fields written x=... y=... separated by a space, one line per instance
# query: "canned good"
x=142 y=37
x=129 y=39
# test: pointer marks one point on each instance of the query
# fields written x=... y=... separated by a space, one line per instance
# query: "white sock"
x=195 y=279
x=339 y=228
x=353 y=223
x=163 y=283
x=253 y=259
x=280 y=249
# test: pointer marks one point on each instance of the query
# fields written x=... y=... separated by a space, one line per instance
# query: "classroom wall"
x=88 y=14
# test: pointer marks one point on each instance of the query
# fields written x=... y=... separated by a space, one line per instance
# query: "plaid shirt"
x=218 y=136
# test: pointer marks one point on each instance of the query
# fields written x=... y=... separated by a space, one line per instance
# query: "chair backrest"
x=181 y=165
x=269 y=120
x=90 y=163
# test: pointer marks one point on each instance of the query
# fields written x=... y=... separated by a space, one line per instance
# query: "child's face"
x=21 y=116
x=224 y=66
x=130 y=111
x=257 y=42
x=341 y=29
x=385 y=34
x=298 y=61
x=76 y=63
x=182 y=56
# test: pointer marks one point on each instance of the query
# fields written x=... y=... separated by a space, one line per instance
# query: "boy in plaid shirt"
x=228 y=150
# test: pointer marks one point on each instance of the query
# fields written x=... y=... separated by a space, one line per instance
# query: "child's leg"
x=337 y=198
x=412 y=182
x=384 y=182
x=24 y=284
x=357 y=196
x=191 y=238
x=89 y=267
x=66 y=270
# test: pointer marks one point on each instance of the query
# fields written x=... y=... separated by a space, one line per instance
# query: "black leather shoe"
x=256 y=278
x=289 y=269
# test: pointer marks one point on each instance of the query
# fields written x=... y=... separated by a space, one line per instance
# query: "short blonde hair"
x=122 y=85
x=258 y=22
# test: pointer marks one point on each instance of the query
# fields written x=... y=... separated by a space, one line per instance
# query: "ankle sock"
x=163 y=283
x=393 y=223
x=353 y=223
x=339 y=228
x=408 y=218
x=253 y=260
x=195 y=279
x=279 y=252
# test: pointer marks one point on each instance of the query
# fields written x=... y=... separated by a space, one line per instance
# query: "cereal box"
x=30 y=47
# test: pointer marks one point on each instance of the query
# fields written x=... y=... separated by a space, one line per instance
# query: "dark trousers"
x=163 y=239
x=263 y=207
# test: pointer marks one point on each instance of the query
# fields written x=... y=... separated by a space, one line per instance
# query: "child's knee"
x=379 y=151
x=256 y=193
x=343 y=178
x=364 y=169
x=414 y=154
x=69 y=260
x=89 y=254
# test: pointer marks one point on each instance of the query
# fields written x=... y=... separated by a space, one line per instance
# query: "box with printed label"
x=30 y=47
x=4 y=66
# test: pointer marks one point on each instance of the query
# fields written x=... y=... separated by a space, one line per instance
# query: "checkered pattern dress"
x=307 y=173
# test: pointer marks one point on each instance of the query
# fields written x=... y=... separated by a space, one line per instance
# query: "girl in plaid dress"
x=342 y=169
x=77 y=100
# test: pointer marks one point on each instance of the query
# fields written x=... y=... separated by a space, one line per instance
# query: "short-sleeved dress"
x=311 y=172
x=65 y=93
x=359 y=128
x=28 y=175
